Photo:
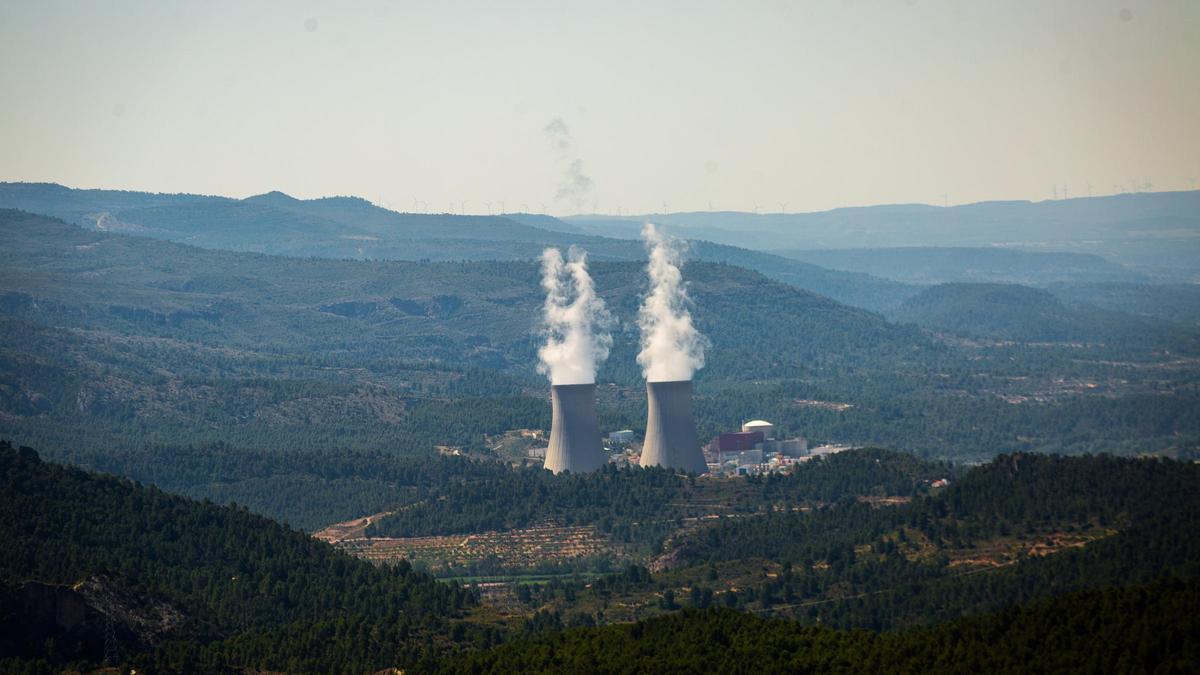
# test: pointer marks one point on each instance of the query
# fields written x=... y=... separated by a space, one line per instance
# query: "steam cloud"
x=575 y=185
x=577 y=337
x=672 y=348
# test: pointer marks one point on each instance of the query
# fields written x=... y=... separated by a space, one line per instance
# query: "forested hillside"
x=1174 y=302
x=1149 y=628
x=942 y=555
x=142 y=357
x=865 y=539
x=190 y=585
x=1028 y=551
x=1012 y=312
x=626 y=502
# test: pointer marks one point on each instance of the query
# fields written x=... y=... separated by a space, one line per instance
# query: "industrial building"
x=739 y=441
x=622 y=436
x=754 y=449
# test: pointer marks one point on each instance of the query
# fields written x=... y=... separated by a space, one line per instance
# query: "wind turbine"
x=756 y=208
x=783 y=207
x=416 y=205
x=1089 y=187
x=502 y=206
x=1066 y=193
x=945 y=200
x=543 y=208
x=665 y=209
x=1056 y=191
x=489 y=207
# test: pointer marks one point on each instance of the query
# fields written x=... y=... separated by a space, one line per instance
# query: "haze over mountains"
x=1126 y=239
x=1158 y=233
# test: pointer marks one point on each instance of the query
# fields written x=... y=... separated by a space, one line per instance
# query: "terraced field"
x=516 y=548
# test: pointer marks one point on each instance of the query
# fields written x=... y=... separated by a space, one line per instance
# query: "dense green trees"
x=903 y=577
x=248 y=592
x=246 y=589
x=1152 y=628
x=642 y=505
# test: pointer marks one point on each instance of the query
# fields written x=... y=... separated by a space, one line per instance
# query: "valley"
x=475 y=338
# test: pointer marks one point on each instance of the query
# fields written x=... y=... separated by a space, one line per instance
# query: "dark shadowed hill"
x=1148 y=629
x=163 y=571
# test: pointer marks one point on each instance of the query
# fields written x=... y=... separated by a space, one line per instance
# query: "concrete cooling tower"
x=670 y=429
x=574 y=433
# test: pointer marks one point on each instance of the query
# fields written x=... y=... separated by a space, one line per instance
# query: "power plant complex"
x=671 y=441
x=576 y=324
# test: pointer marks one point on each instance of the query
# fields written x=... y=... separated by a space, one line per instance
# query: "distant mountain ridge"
x=1156 y=232
x=353 y=228
x=933 y=265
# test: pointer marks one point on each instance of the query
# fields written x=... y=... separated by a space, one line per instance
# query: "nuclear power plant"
x=574 y=433
x=671 y=439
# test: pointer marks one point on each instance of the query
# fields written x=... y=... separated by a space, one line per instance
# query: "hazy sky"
x=604 y=104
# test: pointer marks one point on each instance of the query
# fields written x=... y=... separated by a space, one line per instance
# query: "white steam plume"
x=575 y=185
x=672 y=348
x=576 y=321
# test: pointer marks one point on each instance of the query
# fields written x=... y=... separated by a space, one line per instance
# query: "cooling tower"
x=670 y=429
x=574 y=433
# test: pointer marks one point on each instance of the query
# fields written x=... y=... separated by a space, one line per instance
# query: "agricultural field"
x=523 y=548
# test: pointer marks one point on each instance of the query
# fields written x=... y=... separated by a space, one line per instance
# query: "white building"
x=767 y=429
x=622 y=436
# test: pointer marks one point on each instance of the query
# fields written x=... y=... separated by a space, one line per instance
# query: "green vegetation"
x=644 y=505
x=1150 y=628
x=1016 y=530
x=1175 y=302
x=887 y=567
x=1012 y=312
x=858 y=540
x=195 y=586
x=309 y=379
